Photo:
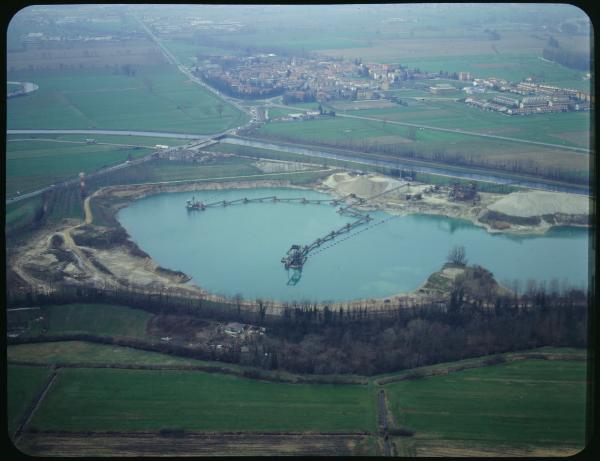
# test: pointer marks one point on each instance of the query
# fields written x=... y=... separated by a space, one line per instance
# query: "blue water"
x=237 y=249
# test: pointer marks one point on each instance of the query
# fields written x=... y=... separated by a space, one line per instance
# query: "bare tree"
x=458 y=256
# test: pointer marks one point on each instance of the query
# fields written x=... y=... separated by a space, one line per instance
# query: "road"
x=184 y=70
x=78 y=142
x=419 y=167
x=457 y=131
x=74 y=181
x=153 y=134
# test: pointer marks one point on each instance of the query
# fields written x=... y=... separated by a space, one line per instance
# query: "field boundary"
x=265 y=375
x=34 y=405
x=246 y=373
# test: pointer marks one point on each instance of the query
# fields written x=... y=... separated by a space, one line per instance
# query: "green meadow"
x=100 y=319
x=154 y=99
x=22 y=385
x=105 y=399
x=523 y=403
x=33 y=164
x=91 y=353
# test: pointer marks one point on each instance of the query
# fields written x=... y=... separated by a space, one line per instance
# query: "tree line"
x=306 y=338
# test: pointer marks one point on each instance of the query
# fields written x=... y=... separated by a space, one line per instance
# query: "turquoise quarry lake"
x=237 y=249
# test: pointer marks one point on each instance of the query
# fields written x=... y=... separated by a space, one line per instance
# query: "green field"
x=85 y=352
x=187 y=50
x=385 y=137
x=22 y=385
x=568 y=129
x=31 y=165
x=524 y=403
x=154 y=99
x=509 y=66
x=104 y=399
x=96 y=319
x=101 y=319
x=527 y=404
x=21 y=213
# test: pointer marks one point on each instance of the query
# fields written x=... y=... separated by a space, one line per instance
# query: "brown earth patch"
x=456 y=448
x=192 y=444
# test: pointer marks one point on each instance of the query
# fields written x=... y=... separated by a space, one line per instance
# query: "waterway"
x=237 y=249
x=438 y=170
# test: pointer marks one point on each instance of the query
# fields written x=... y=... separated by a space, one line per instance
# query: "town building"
x=442 y=88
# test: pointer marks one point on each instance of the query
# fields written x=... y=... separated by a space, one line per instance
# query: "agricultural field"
x=199 y=444
x=529 y=406
x=569 y=129
x=171 y=170
x=524 y=404
x=101 y=319
x=514 y=57
x=96 y=319
x=124 y=400
x=152 y=99
x=187 y=50
x=387 y=137
x=22 y=385
x=90 y=353
x=33 y=164
x=86 y=55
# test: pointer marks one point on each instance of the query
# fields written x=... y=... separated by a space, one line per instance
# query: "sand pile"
x=364 y=186
x=537 y=203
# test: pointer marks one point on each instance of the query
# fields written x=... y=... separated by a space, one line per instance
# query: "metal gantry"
x=296 y=256
x=194 y=204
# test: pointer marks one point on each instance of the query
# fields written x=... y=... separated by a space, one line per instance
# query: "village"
x=326 y=79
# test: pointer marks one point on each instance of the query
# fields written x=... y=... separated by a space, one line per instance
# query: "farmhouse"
x=234 y=328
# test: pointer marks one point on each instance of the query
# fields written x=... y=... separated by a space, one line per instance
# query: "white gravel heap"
x=537 y=203
x=364 y=186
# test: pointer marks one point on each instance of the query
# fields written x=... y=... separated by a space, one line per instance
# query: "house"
x=234 y=328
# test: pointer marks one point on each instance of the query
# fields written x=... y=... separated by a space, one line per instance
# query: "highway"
x=154 y=134
x=312 y=151
x=74 y=181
